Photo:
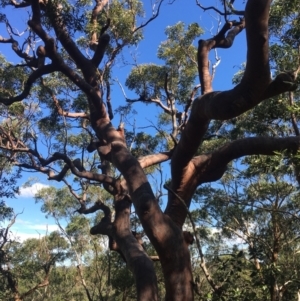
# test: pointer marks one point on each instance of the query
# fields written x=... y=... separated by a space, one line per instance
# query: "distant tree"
x=26 y=267
x=57 y=120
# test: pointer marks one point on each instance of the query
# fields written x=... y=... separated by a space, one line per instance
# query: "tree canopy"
x=222 y=223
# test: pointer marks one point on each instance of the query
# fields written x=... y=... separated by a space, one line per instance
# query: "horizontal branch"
x=6 y=40
x=226 y=105
x=60 y=110
x=99 y=205
x=156 y=101
x=153 y=159
x=44 y=283
x=80 y=172
x=231 y=12
x=211 y=167
x=33 y=77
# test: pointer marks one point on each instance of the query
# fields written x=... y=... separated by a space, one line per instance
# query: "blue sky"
x=32 y=223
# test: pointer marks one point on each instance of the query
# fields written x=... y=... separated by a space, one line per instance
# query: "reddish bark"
x=164 y=229
x=255 y=86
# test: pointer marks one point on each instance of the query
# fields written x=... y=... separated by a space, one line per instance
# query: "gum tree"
x=37 y=101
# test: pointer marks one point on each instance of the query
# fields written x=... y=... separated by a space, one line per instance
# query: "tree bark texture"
x=164 y=229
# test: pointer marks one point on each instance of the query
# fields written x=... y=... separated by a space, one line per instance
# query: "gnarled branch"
x=33 y=77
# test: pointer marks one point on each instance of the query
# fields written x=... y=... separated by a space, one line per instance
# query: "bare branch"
x=30 y=60
x=151 y=160
x=210 y=8
x=215 y=163
x=188 y=104
x=171 y=101
x=59 y=108
x=156 y=101
x=155 y=15
x=79 y=171
x=225 y=13
x=99 y=205
x=218 y=41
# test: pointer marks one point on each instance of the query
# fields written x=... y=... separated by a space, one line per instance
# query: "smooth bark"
x=164 y=229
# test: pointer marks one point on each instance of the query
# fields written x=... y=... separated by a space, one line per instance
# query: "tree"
x=78 y=103
x=257 y=210
x=26 y=267
x=55 y=267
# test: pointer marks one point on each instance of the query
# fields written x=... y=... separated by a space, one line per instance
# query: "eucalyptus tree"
x=26 y=267
x=57 y=120
x=256 y=215
x=256 y=203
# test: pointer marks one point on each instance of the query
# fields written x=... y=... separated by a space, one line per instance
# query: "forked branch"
x=255 y=86
x=221 y=40
x=231 y=11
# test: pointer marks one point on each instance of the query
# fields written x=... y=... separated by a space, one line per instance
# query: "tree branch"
x=79 y=171
x=60 y=110
x=153 y=159
x=33 y=77
x=218 y=41
x=100 y=4
x=99 y=205
x=35 y=24
x=254 y=87
x=105 y=225
x=216 y=162
x=232 y=10
x=211 y=167
x=151 y=100
x=100 y=50
x=30 y=60
x=64 y=37
x=154 y=16
x=19 y=5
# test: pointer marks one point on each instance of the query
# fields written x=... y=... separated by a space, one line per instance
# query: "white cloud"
x=19 y=236
x=21 y=221
x=44 y=227
x=24 y=230
x=31 y=191
x=25 y=226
